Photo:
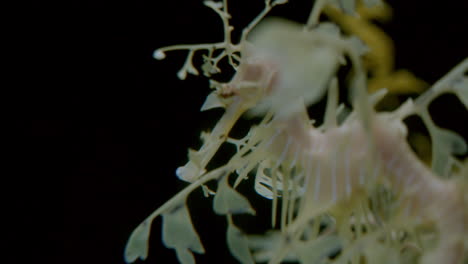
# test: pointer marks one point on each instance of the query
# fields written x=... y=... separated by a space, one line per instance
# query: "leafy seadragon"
x=350 y=189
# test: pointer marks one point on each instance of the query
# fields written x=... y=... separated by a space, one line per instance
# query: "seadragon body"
x=334 y=175
x=336 y=164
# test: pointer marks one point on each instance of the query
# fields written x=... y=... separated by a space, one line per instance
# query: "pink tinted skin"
x=424 y=196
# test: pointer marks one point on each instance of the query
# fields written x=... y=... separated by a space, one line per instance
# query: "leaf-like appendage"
x=137 y=245
x=212 y=101
x=445 y=143
x=238 y=245
x=461 y=90
x=179 y=234
x=229 y=201
x=189 y=172
x=185 y=256
x=264 y=183
x=318 y=250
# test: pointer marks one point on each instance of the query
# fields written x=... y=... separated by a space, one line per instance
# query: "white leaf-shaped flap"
x=264 y=183
x=454 y=142
x=137 y=245
x=185 y=256
x=189 y=172
x=212 y=101
x=213 y=4
x=179 y=234
x=238 y=245
x=229 y=201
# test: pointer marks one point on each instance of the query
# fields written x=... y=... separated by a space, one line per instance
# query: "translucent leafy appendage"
x=264 y=184
x=238 y=244
x=229 y=201
x=446 y=143
x=179 y=234
x=137 y=245
x=461 y=90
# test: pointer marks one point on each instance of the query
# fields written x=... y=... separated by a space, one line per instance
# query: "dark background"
x=108 y=125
